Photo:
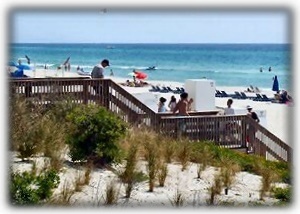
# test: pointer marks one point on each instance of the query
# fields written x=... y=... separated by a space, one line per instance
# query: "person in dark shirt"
x=252 y=114
x=97 y=73
x=250 y=137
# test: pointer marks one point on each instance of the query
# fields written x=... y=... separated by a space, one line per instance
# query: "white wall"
x=149 y=99
x=203 y=93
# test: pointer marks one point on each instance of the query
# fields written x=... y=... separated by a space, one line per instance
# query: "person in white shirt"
x=172 y=103
x=229 y=127
x=229 y=110
x=161 y=105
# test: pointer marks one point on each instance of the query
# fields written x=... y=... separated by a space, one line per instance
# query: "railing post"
x=85 y=92
x=243 y=132
x=105 y=93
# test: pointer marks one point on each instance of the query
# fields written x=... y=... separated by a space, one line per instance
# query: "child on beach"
x=191 y=100
x=172 y=103
x=161 y=105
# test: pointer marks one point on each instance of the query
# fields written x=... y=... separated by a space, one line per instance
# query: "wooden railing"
x=225 y=131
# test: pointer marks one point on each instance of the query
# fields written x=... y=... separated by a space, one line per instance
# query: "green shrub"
x=283 y=194
x=25 y=128
x=29 y=189
x=94 y=134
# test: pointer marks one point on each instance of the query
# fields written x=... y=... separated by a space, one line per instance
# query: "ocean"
x=227 y=64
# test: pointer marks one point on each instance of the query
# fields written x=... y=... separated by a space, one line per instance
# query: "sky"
x=149 y=26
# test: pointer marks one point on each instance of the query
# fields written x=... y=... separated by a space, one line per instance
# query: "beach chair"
x=162 y=90
x=170 y=89
x=218 y=93
x=265 y=98
x=256 y=90
x=224 y=94
x=153 y=89
x=251 y=88
x=258 y=98
x=165 y=89
x=237 y=95
x=244 y=96
x=177 y=91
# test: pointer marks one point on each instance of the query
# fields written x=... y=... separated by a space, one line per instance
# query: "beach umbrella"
x=275 y=84
x=140 y=75
x=67 y=61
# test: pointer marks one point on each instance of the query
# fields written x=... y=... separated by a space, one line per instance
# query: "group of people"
x=283 y=97
x=183 y=106
x=261 y=69
x=230 y=111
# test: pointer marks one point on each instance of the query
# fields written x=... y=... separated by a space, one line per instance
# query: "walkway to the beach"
x=116 y=99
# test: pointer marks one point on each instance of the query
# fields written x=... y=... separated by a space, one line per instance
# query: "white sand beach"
x=277 y=118
x=244 y=191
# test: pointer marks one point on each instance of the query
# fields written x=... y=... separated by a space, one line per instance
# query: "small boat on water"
x=110 y=47
x=151 y=68
x=83 y=73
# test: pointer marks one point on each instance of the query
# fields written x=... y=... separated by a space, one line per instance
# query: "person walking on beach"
x=161 y=105
x=98 y=72
x=172 y=103
x=182 y=108
x=111 y=72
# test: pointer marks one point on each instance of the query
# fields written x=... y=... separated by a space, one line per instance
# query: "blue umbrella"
x=275 y=84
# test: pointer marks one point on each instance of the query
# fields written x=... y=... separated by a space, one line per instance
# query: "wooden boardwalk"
x=199 y=126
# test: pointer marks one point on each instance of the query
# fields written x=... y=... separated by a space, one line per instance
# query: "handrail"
x=226 y=131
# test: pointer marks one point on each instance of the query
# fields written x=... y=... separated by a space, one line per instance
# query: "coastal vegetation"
x=93 y=138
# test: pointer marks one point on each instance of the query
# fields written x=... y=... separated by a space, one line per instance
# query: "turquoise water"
x=227 y=64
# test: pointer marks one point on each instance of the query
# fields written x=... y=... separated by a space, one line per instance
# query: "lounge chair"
x=153 y=89
x=218 y=93
x=178 y=90
x=237 y=95
x=256 y=90
x=265 y=98
x=251 y=88
x=224 y=94
x=258 y=98
x=162 y=90
x=170 y=89
x=244 y=96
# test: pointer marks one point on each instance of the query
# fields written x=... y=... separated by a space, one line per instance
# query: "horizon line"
x=150 y=43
